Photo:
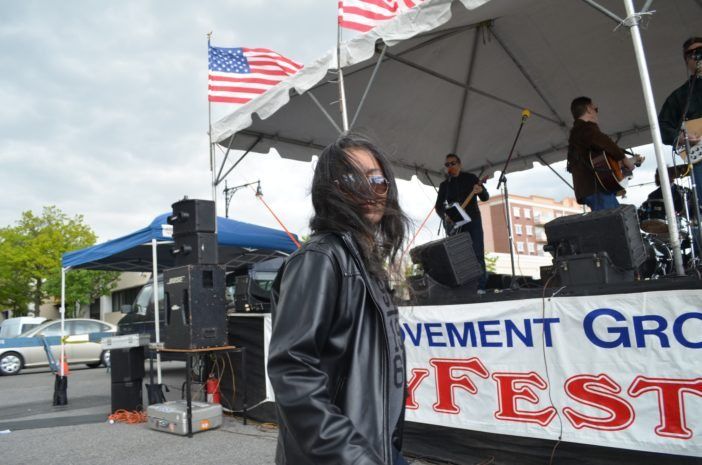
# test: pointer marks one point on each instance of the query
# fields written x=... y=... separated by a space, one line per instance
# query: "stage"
x=612 y=371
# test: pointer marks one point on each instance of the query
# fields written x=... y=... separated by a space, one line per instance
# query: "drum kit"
x=656 y=235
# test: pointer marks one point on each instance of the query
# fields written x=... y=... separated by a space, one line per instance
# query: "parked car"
x=13 y=327
x=27 y=350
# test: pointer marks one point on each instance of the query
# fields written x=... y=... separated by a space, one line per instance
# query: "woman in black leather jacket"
x=336 y=360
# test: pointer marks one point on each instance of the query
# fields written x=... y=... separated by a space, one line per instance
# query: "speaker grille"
x=450 y=261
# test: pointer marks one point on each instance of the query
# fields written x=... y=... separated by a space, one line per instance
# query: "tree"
x=82 y=286
x=30 y=259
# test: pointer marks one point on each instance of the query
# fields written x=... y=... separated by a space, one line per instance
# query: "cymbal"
x=678 y=171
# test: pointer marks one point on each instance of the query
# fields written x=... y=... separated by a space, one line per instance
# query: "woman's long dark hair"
x=339 y=192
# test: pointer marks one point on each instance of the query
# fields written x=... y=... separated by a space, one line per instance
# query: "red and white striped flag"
x=364 y=15
x=238 y=75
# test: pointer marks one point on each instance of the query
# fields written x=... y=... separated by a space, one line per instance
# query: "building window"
x=529 y=230
x=520 y=247
x=518 y=229
x=530 y=247
x=527 y=213
x=516 y=211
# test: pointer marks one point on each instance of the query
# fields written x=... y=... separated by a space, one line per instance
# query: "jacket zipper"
x=366 y=278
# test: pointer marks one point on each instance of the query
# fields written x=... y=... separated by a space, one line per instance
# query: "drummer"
x=675 y=190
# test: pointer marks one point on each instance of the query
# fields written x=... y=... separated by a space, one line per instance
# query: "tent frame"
x=631 y=22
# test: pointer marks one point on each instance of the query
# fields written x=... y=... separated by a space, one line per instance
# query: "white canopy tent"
x=454 y=76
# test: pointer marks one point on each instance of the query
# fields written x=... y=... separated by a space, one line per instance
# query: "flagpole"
x=209 y=134
x=342 y=92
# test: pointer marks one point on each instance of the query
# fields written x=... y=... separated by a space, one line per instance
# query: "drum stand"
x=693 y=245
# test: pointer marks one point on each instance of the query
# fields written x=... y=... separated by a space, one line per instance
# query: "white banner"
x=620 y=370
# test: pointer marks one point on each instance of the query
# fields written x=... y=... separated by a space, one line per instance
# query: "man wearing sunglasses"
x=586 y=138
x=671 y=116
x=456 y=188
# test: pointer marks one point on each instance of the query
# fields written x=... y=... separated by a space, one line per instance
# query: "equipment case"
x=171 y=417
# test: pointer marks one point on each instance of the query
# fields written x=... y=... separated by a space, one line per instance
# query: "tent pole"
x=342 y=91
x=632 y=22
x=604 y=11
x=548 y=165
x=154 y=260
x=370 y=83
x=469 y=79
x=209 y=135
x=324 y=111
x=63 y=320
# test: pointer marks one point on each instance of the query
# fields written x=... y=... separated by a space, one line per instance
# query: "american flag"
x=364 y=15
x=238 y=75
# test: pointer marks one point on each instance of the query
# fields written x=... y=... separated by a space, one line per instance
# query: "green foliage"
x=83 y=286
x=30 y=259
x=490 y=263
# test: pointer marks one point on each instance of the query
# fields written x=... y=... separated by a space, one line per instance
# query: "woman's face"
x=367 y=164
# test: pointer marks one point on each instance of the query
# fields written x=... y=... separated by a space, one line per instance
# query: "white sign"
x=612 y=370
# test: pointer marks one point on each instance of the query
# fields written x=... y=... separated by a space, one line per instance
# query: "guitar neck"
x=467 y=200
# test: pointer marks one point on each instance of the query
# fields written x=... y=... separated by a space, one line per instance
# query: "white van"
x=13 y=327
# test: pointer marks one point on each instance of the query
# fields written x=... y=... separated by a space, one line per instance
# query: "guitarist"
x=457 y=187
x=585 y=138
x=671 y=116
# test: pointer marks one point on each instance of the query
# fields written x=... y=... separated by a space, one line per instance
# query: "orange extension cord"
x=125 y=416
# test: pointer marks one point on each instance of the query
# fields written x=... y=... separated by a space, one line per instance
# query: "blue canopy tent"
x=148 y=249
x=239 y=243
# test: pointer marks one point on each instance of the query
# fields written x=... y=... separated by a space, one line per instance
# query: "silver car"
x=83 y=345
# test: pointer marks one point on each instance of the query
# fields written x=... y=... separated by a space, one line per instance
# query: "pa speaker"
x=127 y=364
x=193 y=216
x=450 y=261
x=196 y=315
x=195 y=249
x=615 y=231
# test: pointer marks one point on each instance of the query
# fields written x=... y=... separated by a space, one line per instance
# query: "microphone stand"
x=503 y=180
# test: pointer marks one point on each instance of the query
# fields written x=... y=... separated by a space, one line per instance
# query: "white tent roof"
x=457 y=74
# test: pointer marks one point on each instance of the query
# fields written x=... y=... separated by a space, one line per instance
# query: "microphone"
x=525 y=114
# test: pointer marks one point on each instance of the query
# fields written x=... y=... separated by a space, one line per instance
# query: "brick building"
x=528 y=216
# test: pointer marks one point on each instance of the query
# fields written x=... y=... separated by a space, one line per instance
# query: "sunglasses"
x=377 y=182
x=449 y=164
x=695 y=53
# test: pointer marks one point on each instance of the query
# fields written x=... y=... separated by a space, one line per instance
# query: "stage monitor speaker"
x=193 y=216
x=450 y=261
x=615 y=231
x=195 y=249
x=196 y=315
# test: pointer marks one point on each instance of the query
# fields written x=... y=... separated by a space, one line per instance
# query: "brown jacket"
x=584 y=138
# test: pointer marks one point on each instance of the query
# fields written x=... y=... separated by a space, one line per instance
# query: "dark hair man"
x=336 y=359
x=456 y=188
x=671 y=116
x=586 y=138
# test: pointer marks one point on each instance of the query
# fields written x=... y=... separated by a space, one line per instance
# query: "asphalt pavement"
x=33 y=431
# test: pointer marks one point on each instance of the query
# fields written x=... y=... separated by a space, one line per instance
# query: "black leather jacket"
x=328 y=359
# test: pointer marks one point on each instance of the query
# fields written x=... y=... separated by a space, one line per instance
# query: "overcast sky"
x=103 y=111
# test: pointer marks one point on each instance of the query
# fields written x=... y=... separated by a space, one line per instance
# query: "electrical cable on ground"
x=548 y=377
x=126 y=416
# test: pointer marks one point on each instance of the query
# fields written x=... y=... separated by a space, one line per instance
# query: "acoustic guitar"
x=610 y=173
x=694 y=128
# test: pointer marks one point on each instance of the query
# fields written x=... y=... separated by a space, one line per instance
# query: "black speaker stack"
x=451 y=270
x=601 y=247
x=196 y=315
x=127 y=373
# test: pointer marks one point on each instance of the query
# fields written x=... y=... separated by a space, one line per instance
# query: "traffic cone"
x=64 y=364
